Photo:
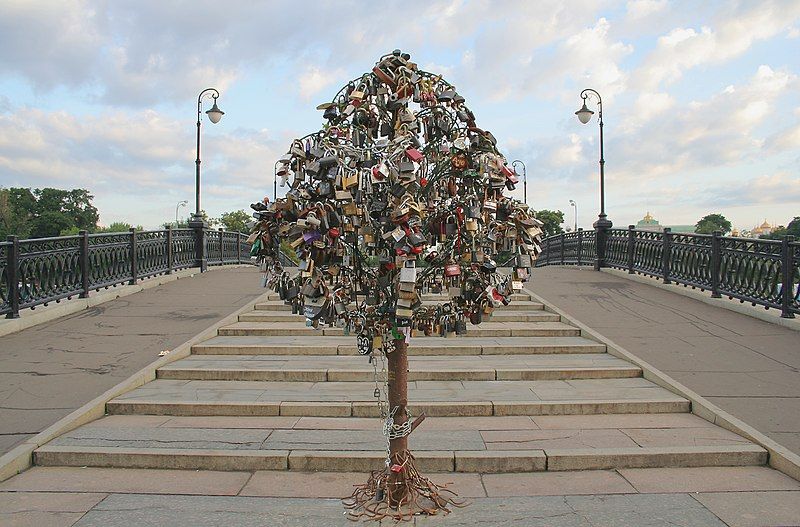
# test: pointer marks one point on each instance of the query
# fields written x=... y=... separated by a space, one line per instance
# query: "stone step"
x=453 y=346
x=499 y=315
x=433 y=297
x=322 y=368
x=279 y=305
x=428 y=461
x=474 y=444
x=488 y=329
x=435 y=398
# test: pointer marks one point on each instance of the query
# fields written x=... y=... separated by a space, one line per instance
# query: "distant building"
x=764 y=228
x=649 y=223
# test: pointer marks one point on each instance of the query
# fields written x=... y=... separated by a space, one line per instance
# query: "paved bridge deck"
x=748 y=367
x=272 y=426
x=49 y=370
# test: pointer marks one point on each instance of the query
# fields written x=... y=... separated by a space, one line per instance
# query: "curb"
x=21 y=457
x=49 y=313
x=780 y=457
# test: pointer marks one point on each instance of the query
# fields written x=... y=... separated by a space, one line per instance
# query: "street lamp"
x=575 y=206
x=524 y=178
x=179 y=205
x=214 y=115
x=584 y=115
x=275 y=181
x=603 y=224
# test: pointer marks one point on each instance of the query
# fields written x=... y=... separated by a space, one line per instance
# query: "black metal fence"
x=42 y=270
x=763 y=272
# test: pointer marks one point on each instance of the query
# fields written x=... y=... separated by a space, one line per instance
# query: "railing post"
x=239 y=247
x=666 y=253
x=601 y=241
x=563 y=242
x=134 y=262
x=84 y=263
x=170 y=256
x=631 y=247
x=221 y=246
x=580 y=244
x=199 y=228
x=716 y=262
x=787 y=278
x=12 y=262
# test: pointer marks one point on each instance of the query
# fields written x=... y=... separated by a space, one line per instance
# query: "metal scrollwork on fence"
x=762 y=272
x=794 y=273
x=151 y=253
x=5 y=304
x=48 y=270
x=617 y=248
x=751 y=270
x=39 y=271
x=690 y=259
x=109 y=259
x=183 y=248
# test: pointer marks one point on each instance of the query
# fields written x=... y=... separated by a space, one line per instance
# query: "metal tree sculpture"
x=399 y=194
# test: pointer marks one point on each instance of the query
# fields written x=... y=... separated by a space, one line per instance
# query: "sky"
x=701 y=99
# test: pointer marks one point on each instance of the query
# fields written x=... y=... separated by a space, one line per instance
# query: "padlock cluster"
x=398 y=195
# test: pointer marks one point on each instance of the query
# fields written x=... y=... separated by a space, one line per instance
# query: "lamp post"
x=524 y=179
x=575 y=206
x=214 y=115
x=179 y=205
x=197 y=223
x=603 y=224
x=275 y=181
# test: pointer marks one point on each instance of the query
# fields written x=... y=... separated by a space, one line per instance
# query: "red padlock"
x=396 y=468
x=333 y=232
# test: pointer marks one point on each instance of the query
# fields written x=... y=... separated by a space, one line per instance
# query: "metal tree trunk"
x=398 y=397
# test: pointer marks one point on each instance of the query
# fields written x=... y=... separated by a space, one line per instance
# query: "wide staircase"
x=523 y=392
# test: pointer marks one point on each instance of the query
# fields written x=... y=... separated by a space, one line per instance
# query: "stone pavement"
x=269 y=423
x=748 y=367
x=659 y=497
x=51 y=369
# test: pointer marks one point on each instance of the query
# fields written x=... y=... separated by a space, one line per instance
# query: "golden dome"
x=765 y=225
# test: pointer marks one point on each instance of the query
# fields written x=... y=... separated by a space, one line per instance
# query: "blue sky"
x=701 y=99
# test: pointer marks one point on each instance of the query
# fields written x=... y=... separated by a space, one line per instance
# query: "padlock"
x=452 y=269
x=451 y=225
x=408 y=274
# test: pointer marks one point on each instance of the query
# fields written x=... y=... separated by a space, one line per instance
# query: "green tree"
x=552 y=220
x=794 y=227
x=16 y=212
x=236 y=221
x=712 y=222
x=120 y=226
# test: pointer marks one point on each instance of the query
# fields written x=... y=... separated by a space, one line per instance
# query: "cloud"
x=568 y=154
x=314 y=79
x=637 y=10
x=684 y=48
x=780 y=188
x=49 y=43
x=144 y=155
x=702 y=134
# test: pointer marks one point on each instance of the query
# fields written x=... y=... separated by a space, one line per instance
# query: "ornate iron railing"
x=762 y=272
x=38 y=271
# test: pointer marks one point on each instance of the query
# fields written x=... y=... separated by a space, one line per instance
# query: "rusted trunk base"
x=371 y=501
